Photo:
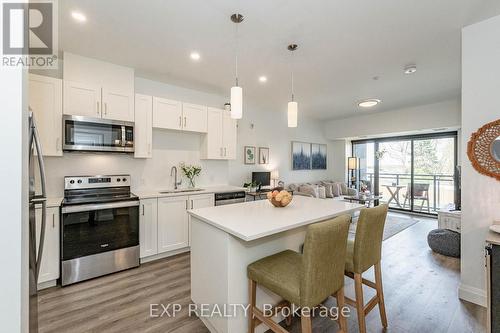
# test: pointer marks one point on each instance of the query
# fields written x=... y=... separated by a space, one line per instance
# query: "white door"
x=212 y=145
x=49 y=269
x=167 y=113
x=143 y=135
x=194 y=118
x=200 y=201
x=82 y=99
x=148 y=227
x=229 y=136
x=117 y=105
x=173 y=227
x=45 y=100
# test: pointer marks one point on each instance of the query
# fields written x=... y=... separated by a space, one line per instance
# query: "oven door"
x=94 y=134
x=93 y=229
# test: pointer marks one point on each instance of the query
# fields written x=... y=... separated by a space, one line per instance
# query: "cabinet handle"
x=185 y=121
x=221 y=152
x=105 y=109
x=98 y=108
x=225 y=152
x=180 y=121
x=53 y=220
x=192 y=204
x=57 y=144
x=143 y=210
x=187 y=203
x=149 y=148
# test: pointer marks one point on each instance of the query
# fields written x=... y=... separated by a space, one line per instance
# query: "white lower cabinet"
x=148 y=224
x=173 y=227
x=164 y=222
x=49 y=269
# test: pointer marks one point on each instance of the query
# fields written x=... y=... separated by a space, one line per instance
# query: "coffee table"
x=363 y=199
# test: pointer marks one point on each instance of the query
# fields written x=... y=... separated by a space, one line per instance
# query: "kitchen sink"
x=182 y=190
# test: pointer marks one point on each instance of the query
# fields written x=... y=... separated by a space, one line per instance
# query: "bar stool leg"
x=360 y=304
x=306 y=324
x=340 y=305
x=252 y=294
x=380 y=294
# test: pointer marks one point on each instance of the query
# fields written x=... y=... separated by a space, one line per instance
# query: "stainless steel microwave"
x=98 y=135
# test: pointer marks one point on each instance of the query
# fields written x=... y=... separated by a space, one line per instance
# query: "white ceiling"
x=343 y=44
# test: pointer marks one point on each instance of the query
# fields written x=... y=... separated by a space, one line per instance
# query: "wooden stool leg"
x=380 y=294
x=305 y=322
x=360 y=304
x=340 y=305
x=251 y=295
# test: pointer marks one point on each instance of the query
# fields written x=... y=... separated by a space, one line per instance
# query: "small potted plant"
x=191 y=172
x=251 y=186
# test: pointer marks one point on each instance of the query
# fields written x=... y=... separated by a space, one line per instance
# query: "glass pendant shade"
x=236 y=102
x=292 y=114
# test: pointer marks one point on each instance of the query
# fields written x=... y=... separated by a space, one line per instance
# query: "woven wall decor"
x=483 y=149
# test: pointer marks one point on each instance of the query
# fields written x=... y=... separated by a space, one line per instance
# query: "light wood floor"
x=420 y=292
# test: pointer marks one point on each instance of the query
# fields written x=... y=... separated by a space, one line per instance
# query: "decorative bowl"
x=279 y=198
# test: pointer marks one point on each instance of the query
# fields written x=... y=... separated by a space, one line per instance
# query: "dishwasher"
x=228 y=198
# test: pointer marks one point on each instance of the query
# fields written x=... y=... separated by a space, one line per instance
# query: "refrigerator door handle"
x=36 y=140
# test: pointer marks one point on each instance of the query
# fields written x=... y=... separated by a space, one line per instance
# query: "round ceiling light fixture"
x=195 y=56
x=410 y=69
x=262 y=79
x=78 y=16
x=369 y=103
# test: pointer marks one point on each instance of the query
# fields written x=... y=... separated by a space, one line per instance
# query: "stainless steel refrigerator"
x=35 y=250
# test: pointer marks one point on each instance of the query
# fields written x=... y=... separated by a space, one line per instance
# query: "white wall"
x=14 y=202
x=417 y=118
x=170 y=148
x=480 y=194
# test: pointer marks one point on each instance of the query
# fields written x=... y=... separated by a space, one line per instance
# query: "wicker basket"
x=278 y=203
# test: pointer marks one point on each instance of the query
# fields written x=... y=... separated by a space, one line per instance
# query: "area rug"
x=394 y=224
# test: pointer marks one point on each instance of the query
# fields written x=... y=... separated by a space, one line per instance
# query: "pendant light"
x=293 y=107
x=236 y=91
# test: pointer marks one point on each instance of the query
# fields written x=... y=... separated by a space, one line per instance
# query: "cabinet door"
x=143 y=135
x=194 y=117
x=229 y=136
x=45 y=100
x=49 y=269
x=82 y=99
x=167 y=113
x=212 y=147
x=148 y=227
x=200 y=201
x=117 y=105
x=173 y=227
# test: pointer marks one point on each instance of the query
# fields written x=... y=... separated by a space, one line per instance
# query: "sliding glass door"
x=410 y=173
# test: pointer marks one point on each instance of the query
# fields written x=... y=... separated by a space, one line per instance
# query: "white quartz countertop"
x=257 y=219
x=147 y=194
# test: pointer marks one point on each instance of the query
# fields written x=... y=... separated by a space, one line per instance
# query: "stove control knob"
x=79 y=181
x=71 y=181
x=124 y=179
x=118 y=179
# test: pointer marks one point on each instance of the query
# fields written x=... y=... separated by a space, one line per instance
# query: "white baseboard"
x=164 y=255
x=473 y=295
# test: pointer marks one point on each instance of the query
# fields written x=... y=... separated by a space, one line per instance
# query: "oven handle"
x=86 y=208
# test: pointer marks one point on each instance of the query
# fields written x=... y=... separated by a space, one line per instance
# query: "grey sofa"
x=345 y=190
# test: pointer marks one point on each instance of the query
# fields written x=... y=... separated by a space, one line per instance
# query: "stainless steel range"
x=100 y=227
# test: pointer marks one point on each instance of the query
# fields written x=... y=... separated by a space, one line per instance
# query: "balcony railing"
x=441 y=189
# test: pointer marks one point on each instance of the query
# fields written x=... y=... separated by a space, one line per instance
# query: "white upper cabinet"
x=194 y=118
x=220 y=141
x=82 y=99
x=167 y=113
x=96 y=88
x=143 y=135
x=229 y=136
x=45 y=100
x=117 y=105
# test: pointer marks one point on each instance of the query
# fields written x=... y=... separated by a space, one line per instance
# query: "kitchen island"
x=225 y=239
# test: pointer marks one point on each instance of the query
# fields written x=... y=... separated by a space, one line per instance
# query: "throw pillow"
x=336 y=190
x=328 y=191
x=292 y=187
x=309 y=189
x=343 y=188
x=321 y=192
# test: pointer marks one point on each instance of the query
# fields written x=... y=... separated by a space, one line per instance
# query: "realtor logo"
x=29 y=34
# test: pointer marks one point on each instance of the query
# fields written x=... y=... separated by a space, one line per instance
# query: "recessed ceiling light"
x=195 y=56
x=369 y=103
x=410 y=69
x=80 y=17
x=263 y=79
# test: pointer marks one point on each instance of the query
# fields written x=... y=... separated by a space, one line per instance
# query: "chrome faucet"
x=174 y=171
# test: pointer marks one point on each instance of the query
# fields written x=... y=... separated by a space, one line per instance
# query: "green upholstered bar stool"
x=304 y=280
x=364 y=252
